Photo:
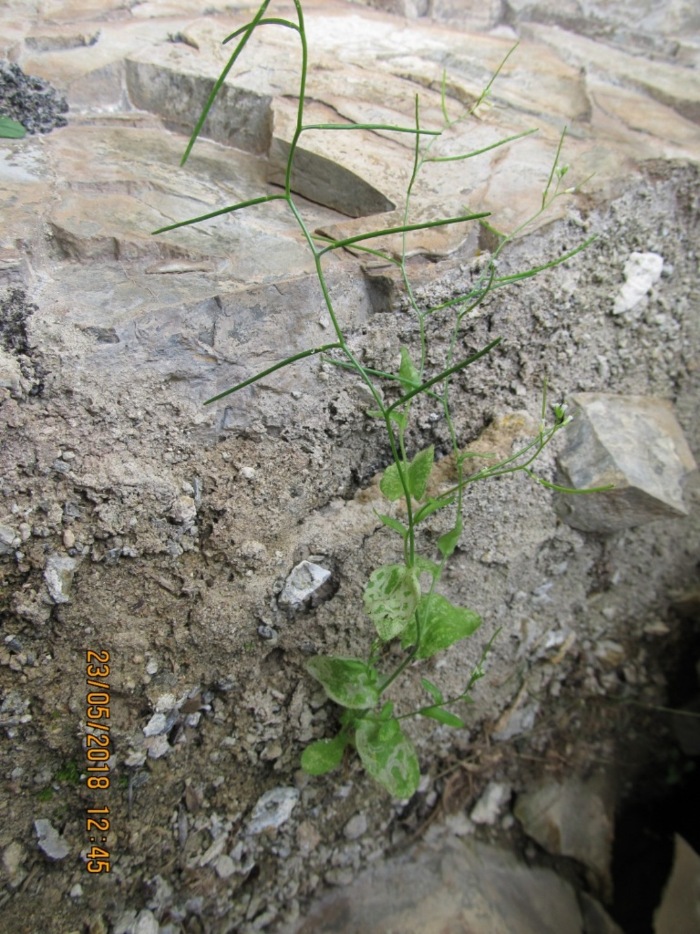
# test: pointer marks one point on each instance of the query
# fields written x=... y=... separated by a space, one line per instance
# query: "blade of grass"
x=478 y=152
x=228 y=210
x=336 y=244
x=535 y=270
x=445 y=373
x=249 y=29
x=369 y=126
x=487 y=90
x=277 y=366
x=268 y=21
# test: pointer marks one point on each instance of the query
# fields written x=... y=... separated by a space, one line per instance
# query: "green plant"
x=402 y=598
x=11 y=129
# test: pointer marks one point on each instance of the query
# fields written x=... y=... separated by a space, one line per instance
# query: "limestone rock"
x=642 y=271
x=679 y=912
x=448 y=886
x=574 y=818
x=307 y=585
x=633 y=443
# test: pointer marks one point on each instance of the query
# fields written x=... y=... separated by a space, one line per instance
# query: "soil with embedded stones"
x=134 y=537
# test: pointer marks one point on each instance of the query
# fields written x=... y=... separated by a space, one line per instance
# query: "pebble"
x=610 y=653
x=155 y=725
x=50 y=840
x=157 y=746
x=58 y=574
x=356 y=827
x=489 y=805
x=272 y=810
x=224 y=866
x=306 y=585
x=12 y=858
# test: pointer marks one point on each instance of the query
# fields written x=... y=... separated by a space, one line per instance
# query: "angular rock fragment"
x=642 y=271
x=573 y=818
x=273 y=809
x=307 y=585
x=58 y=575
x=50 y=840
x=447 y=886
x=633 y=443
x=679 y=911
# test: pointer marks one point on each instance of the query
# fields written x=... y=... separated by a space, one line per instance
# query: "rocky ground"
x=135 y=521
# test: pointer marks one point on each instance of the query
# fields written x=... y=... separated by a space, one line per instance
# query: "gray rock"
x=356 y=827
x=575 y=819
x=679 y=912
x=596 y=920
x=58 y=575
x=307 y=585
x=449 y=886
x=9 y=540
x=633 y=443
x=272 y=810
x=50 y=840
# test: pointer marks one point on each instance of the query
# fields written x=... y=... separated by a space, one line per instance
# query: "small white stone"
x=273 y=809
x=656 y=628
x=157 y=746
x=155 y=725
x=642 y=270
x=50 y=840
x=146 y=923
x=489 y=805
x=224 y=866
x=135 y=759
x=165 y=702
x=248 y=473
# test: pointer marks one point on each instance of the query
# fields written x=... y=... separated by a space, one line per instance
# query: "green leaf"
x=400 y=418
x=419 y=471
x=348 y=681
x=11 y=129
x=431 y=506
x=441 y=625
x=443 y=716
x=390 y=484
x=425 y=564
x=391 y=597
x=324 y=755
x=388 y=755
x=392 y=523
x=433 y=690
x=448 y=542
x=409 y=377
